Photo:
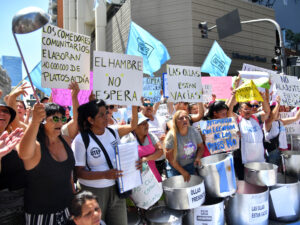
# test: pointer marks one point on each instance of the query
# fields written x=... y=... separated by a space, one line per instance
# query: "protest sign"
x=220 y=135
x=184 y=83
x=151 y=88
x=165 y=85
x=65 y=58
x=207 y=93
x=293 y=128
x=221 y=86
x=288 y=88
x=118 y=78
x=249 y=67
x=248 y=92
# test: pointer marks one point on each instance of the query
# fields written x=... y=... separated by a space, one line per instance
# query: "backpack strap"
x=255 y=118
x=86 y=141
x=112 y=131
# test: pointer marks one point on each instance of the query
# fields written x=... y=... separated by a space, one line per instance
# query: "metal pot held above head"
x=183 y=195
x=219 y=176
x=285 y=203
x=161 y=215
x=261 y=173
x=291 y=163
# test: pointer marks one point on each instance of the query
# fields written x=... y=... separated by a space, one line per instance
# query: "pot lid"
x=162 y=214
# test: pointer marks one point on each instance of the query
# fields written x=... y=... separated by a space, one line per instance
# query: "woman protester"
x=148 y=144
x=184 y=147
x=12 y=177
x=85 y=210
x=94 y=150
x=49 y=162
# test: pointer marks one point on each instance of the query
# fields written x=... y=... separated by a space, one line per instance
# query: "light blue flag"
x=217 y=63
x=36 y=77
x=142 y=43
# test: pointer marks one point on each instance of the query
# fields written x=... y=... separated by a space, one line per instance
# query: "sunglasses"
x=5 y=111
x=183 y=117
x=148 y=104
x=56 y=119
x=255 y=106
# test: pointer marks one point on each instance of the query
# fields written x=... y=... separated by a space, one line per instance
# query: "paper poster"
x=220 y=135
x=147 y=194
x=221 y=86
x=118 y=78
x=207 y=93
x=249 y=67
x=151 y=88
x=288 y=88
x=258 y=210
x=196 y=195
x=293 y=128
x=65 y=58
x=208 y=215
x=184 y=83
x=248 y=92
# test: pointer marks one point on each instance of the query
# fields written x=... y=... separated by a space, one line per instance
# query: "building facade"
x=13 y=67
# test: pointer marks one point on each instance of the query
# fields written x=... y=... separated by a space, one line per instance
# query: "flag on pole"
x=217 y=63
x=142 y=43
x=36 y=77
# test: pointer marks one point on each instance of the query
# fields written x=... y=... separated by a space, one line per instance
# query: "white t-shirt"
x=95 y=157
x=274 y=131
x=157 y=126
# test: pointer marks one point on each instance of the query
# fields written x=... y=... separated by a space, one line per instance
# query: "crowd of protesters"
x=55 y=169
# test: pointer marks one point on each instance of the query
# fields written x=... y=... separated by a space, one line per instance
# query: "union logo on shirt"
x=95 y=152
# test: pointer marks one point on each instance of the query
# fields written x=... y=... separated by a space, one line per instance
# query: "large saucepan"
x=219 y=182
x=249 y=205
x=161 y=215
x=291 y=197
x=184 y=195
x=211 y=212
x=291 y=160
x=261 y=173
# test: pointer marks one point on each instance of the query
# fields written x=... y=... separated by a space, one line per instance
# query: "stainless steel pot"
x=291 y=163
x=248 y=206
x=161 y=215
x=211 y=212
x=293 y=189
x=261 y=173
x=184 y=195
x=213 y=180
x=295 y=142
x=133 y=218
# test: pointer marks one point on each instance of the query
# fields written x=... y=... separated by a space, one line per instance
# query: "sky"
x=30 y=43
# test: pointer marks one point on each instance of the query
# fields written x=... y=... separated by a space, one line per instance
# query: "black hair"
x=51 y=109
x=216 y=107
x=79 y=200
x=86 y=110
x=43 y=99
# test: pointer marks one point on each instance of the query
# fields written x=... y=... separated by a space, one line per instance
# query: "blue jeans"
x=171 y=172
x=274 y=157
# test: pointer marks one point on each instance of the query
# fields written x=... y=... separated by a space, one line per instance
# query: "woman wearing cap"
x=94 y=172
x=49 y=162
x=184 y=147
x=12 y=177
x=149 y=146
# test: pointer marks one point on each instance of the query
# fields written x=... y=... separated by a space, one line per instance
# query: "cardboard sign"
x=258 y=210
x=196 y=195
x=293 y=128
x=65 y=58
x=207 y=93
x=184 y=83
x=221 y=86
x=220 y=135
x=248 y=92
x=149 y=192
x=118 y=78
x=249 y=67
x=288 y=88
x=151 y=88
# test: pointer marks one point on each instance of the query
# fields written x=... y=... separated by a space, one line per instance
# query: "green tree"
x=293 y=39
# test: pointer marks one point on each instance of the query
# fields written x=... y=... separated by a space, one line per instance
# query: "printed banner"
x=221 y=86
x=248 y=92
x=65 y=58
x=184 y=83
x=220 y=135
x=151 y=88
x=118 y=78
x=288 y=88
x=293 y=128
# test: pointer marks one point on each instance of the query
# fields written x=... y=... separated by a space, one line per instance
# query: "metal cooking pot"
x=161 y=215
x=184 y=195
x=249 y=205
x=212 y=178
x=133 y=218
x=211 y=212
x=261 y=173
x=293 y=188
x=291 y=163
x=295 y=142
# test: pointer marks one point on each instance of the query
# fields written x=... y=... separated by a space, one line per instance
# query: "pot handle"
x=254 y=171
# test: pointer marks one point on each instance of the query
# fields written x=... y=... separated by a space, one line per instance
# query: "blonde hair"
x=174 y=130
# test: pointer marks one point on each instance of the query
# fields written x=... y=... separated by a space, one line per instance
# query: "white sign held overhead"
x=118 y=78
x=184 y=83
x=65 y=58
x=207 y=93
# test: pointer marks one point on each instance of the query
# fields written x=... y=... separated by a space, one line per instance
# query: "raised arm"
x=266 y=106
x=127 y=128
x=273 y=115
x=287 y=121
x=198 y=117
